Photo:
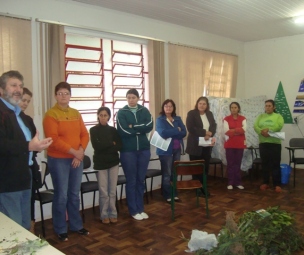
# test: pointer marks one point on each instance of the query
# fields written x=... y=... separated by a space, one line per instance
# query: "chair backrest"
x=193 y=167
x=86 y=162
x=46 y=173
x=296 y=142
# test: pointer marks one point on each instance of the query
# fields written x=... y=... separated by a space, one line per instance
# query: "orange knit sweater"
x=67 y=130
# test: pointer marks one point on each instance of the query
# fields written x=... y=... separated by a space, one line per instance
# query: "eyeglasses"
x=63 y=94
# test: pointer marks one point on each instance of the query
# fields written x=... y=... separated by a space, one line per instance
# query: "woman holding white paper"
x=270 y=147
x=200 y=123
x=235 y=143
x=168 y=125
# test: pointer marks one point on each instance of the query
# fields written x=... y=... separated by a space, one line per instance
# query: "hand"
x=207 y=137
x=36 y=145
x=76 y=162
x=130 y=126
x=264 y=132
x=79 y=154
x=208 y=133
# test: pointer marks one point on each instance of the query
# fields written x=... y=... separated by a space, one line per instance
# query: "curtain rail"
x=198 y=48
x=14 y=16
x=96 y=29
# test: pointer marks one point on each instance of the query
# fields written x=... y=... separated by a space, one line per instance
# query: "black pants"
x=205 y=155
x=271 y=158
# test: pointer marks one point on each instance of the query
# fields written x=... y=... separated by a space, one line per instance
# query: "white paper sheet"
x=206 y=143
x=160 y=142
x=280 y=135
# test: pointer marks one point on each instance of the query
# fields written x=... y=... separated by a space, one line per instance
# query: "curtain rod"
x=14 y=16
x=198 y=48
x=96 y=29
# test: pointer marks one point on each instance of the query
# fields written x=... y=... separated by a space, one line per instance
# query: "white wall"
x=267 y=63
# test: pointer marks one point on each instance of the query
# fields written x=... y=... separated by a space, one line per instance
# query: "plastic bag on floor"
x=201 y=240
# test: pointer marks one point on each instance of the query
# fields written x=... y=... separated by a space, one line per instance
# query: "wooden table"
x=12 y=235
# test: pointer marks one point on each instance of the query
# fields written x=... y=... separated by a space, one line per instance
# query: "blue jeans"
x=66 y=182
x=17 y=206
x=135 y=166
x=167 y=168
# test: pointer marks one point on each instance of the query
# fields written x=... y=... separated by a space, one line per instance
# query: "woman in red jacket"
x=234 y=129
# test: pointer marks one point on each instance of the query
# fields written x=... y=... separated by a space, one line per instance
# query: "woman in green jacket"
x=134 y=123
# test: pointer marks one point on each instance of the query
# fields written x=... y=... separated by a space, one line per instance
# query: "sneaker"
x=229 y=187
x=278 y=189
x=240 y=187
x=105 y=221
x=63 y=237
x=176 y=199
x=138 y=216
x=168 y=201
x=264 y=187
x=113 y=220
x=144 y=215
x=83 y=232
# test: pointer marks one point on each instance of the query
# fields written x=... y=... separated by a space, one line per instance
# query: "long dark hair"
x=162 y=112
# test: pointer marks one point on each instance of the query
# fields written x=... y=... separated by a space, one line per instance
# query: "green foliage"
x=257 y=234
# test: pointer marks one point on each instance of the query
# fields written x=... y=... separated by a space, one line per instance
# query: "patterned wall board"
x=250 y=108
x=282 y=105
x=299 y=103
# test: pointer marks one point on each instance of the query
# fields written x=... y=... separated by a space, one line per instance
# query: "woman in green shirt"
x=270 y=147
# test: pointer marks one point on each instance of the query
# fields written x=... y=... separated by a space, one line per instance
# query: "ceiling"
x=242 y=20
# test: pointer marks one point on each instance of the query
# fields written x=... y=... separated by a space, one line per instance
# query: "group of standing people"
x=68 y=139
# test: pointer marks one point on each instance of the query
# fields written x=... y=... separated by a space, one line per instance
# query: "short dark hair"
x=202 y=99
x=27 y=92
x=133 y=92
x=272 y=102
x=62 y=85
x=162 y=112
x=103 y=108
x=237 y=104
x=10 y=74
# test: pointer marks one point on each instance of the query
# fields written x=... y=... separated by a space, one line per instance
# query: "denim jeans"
x=66 y=182
x=17 y=206
x=135 y=166
x=166 y=163
x=107 y=183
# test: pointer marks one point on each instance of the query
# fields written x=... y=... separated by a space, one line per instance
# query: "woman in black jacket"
x=200 y=123
x=106 y=143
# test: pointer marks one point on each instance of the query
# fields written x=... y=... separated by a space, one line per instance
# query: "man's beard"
x=10 y=98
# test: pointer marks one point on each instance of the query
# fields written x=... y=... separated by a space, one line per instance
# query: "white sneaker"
x=138 y=216
x=144 y=215
x=229 y=187
x=240 y=187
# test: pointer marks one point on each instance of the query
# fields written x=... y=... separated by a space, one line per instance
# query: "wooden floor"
x=160 y=235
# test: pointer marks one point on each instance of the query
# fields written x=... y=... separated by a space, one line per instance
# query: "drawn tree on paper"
x=282 y=105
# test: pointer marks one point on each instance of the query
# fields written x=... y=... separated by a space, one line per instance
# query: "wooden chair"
x=151 y=173
x=88 y=186
x=44 y=196
x=295 y=144
x=195 y=167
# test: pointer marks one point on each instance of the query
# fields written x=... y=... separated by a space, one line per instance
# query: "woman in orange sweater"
x=70 y=139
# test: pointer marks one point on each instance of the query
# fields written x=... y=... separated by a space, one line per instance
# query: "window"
x=101 y=71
